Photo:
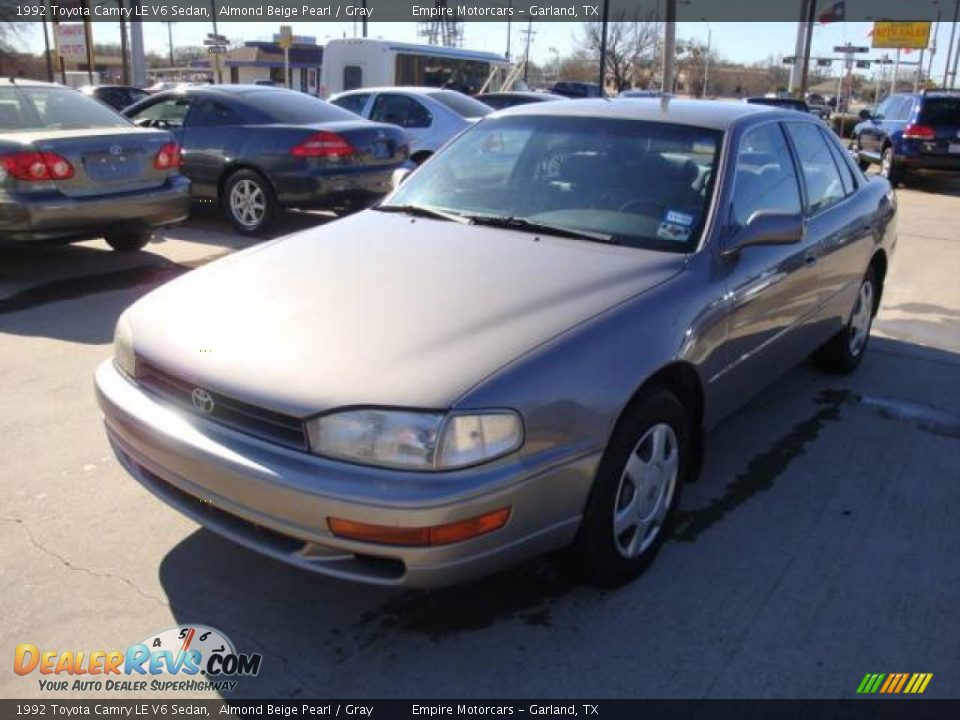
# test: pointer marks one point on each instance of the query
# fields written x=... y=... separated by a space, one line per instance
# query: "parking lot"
x=819 y=544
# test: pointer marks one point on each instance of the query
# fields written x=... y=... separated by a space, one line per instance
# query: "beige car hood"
x=380 y=309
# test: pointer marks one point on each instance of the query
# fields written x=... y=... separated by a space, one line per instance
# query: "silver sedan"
x=517 y=352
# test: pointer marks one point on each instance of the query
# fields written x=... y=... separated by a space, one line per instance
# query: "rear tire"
x=842 y=353
x=890 y=168
x=248 y=202
x=631 y=505
x=129 y=240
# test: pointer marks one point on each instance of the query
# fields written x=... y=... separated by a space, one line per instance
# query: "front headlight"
x=415 y=440
x=123 y=356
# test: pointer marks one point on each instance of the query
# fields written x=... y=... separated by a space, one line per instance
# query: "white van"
x=350 y=64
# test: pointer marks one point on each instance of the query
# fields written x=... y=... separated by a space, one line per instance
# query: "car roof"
x=412 y=89
x=32 y=83
x=523 y=93
x=713 y=114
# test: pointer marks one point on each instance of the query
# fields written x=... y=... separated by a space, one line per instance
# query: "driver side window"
x=400 y=110
x=766 y=179
x=166 y=113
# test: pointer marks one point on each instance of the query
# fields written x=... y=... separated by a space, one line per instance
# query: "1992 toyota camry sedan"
x=516 y=352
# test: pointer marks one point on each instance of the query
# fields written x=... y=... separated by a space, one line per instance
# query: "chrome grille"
x=250 y=419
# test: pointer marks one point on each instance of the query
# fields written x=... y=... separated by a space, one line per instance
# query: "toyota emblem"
x=115 y=149
x=202 y=400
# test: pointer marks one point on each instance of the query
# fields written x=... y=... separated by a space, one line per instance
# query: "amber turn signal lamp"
x=424 y=536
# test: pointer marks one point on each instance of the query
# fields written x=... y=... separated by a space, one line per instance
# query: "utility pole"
x=170 y=41
x=46 y=46
x=124 y=50
x=88 y=41
x=508 y=31
x=603 y=47
x=950 y=48
x=953 y=72
x=896 y=72
x=216 y=57
x=706 y=62
x=529 y=32
x=669 y=47
x=363 y=24
x=808 y=41
x=797 y=67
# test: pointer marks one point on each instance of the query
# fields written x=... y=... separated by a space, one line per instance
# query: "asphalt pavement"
x=820 y=543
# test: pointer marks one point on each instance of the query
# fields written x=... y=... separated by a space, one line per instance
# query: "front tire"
x=129 y=240
x=248 y=202
x=843 y=352
x=635 y=493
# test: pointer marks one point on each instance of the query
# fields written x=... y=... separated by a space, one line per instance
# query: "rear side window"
x=210 y=113
x=461 y=104
x=400 y=110
x=168 y=113
x=847 y=176
x=290 y=106
x=52 y=108
x=820 y=174
x=940 y=111
x=353 y=103
x=766 y=179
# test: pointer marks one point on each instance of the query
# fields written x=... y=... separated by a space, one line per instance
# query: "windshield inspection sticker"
x=673 y=232
x=678 y=218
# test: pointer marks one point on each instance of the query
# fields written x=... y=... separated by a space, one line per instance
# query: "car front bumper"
x=56 y=216
x=277 y=500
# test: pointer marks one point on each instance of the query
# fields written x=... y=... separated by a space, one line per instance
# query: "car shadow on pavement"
x=90 y=274
x=768 y=469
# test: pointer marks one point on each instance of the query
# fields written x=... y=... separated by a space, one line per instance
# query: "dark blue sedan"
x=258 y=150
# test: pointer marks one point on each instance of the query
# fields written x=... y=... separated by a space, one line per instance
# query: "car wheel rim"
x=646 y=490
x=248 y=203
x=861 y=319
x=886 y=164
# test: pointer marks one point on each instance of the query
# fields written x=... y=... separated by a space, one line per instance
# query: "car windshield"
x=288 y=106
x=30 y=108
x=636 y=183
x=941 y=111
x=462 y=105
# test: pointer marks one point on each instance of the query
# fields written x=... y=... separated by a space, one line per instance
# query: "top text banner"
x=467 y=11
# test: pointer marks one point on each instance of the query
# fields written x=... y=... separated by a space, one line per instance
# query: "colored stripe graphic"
x=894 y=683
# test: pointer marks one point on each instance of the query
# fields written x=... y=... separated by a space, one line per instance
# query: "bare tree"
x=631 y=43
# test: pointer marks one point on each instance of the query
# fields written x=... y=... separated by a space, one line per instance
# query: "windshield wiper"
x=524 y=225
x=425 y=211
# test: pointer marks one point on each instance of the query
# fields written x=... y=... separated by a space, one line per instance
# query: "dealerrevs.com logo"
x=181 y=659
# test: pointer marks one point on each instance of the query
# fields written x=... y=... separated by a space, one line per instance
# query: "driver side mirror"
x=766 y=228
x=865 y=114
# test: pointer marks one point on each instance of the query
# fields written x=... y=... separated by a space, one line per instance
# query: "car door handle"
x=810 y=260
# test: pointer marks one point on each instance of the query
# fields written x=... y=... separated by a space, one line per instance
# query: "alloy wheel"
x=861 y=319
x=248 y=203
x=646 y=489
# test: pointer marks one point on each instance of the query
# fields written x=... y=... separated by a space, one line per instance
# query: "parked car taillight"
x=323 y=144
x=37 y=166
x=168 y=157
x=919 y=132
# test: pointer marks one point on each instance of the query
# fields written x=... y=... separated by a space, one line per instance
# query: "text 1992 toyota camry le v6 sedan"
x=515 y=352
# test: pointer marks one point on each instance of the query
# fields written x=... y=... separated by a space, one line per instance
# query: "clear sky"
x=739 y=42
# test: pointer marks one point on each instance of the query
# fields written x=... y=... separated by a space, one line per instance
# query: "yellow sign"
x=286 y=37
x=913 y=35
